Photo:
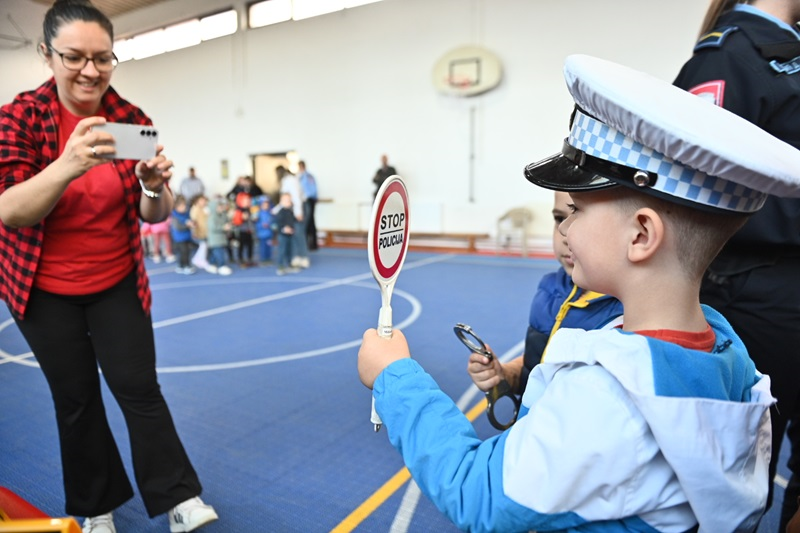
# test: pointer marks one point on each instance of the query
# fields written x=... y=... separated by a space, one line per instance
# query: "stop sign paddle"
x=387 y=244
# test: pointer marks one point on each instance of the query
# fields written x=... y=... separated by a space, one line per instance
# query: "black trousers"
x=184 y=250
x=311 y=223
x=70 y=335
x=763 y=306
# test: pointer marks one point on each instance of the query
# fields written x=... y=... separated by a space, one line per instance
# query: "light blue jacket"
x=618 y=432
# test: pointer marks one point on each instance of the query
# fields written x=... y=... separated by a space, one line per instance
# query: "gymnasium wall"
x=344 y=88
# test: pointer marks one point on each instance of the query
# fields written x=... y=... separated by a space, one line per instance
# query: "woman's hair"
x=716 y=10
x=66 y=11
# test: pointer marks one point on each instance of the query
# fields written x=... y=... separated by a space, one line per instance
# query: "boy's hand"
x=376 y=353
x=485 y=373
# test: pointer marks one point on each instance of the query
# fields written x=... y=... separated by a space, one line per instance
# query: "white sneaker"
x=99 y=524
x=190 y=515
x=224 y=270
x=156 y=259
x=305 y=262
x=211 y=269
x=296 y=261
x=171 y=259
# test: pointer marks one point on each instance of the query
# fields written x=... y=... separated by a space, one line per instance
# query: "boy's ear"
x=647 y=234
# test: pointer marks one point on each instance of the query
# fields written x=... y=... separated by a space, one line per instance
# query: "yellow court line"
x=354 y=519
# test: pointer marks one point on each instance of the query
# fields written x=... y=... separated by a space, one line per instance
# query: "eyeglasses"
x=76 y=62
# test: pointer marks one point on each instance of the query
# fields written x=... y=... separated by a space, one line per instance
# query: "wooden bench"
x=417 y=240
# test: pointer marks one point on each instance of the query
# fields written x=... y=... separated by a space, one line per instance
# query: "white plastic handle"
x=385 y=331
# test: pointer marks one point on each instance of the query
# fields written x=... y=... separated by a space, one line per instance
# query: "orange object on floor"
x=19 y=516
x=13 y=506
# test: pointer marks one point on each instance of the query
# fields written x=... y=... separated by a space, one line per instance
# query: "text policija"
x=391 y=230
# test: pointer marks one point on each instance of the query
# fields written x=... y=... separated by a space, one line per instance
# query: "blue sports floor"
x=260 y=374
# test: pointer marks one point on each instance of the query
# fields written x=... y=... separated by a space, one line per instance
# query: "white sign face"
x=388 y=239
x=391 y=229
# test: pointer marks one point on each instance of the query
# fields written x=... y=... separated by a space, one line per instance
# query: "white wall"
x=344 y=88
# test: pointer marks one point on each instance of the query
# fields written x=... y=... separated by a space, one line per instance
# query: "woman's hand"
x=85 y=147
x=155 y=172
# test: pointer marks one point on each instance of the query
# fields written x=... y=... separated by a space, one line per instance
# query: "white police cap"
x=635 y=130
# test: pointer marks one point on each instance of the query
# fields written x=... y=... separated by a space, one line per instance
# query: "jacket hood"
x=708 y=412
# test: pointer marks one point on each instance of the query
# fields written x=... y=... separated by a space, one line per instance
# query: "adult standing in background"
x=192 y=187
x=309 y=184
x=246 y=185
x=748 y=61
x=291 y=185
x=72 y=273
x=383 y=173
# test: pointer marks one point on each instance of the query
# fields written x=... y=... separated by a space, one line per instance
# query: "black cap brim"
x=560 y=173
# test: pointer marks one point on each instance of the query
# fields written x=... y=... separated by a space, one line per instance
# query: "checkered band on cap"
x=602 y=141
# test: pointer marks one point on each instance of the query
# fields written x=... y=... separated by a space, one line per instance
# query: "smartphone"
x=131 y=141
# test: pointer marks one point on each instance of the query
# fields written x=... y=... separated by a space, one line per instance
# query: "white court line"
x=408 y=506
x=416 y=310
x=351 y=280
x=21 y=359
x=356 y=280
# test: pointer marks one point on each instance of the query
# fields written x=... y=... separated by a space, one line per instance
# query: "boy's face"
x=286 y=200
x=561 y=210
x=595 y=234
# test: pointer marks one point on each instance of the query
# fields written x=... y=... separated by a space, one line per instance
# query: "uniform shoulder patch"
x=715 y=38
x=712 y=91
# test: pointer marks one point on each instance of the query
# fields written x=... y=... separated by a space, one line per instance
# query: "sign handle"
x=385 y=331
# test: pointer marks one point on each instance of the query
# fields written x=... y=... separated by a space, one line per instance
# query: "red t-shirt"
x=85 y=248
x=702 y=340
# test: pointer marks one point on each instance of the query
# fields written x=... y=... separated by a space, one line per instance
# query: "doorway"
x=264 y=174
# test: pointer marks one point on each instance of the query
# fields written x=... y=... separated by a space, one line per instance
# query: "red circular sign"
x=390 y=231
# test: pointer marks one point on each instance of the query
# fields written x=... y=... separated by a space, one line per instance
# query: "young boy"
x=218 y=227
x=558 y=303
x=662 y=424
x=264 y=230
x=181 y=232
x=284 y=222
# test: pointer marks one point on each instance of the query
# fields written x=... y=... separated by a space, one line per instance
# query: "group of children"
x=213 y=234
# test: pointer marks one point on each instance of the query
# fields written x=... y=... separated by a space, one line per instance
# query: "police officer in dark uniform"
x=385 y=172
x=748 y=61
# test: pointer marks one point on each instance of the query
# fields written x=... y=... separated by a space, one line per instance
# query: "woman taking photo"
x=72 y=273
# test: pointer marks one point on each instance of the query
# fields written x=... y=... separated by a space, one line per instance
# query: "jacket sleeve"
x=582 y=454
x=462 y=475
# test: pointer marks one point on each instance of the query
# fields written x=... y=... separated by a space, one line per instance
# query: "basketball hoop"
x=467 y=71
